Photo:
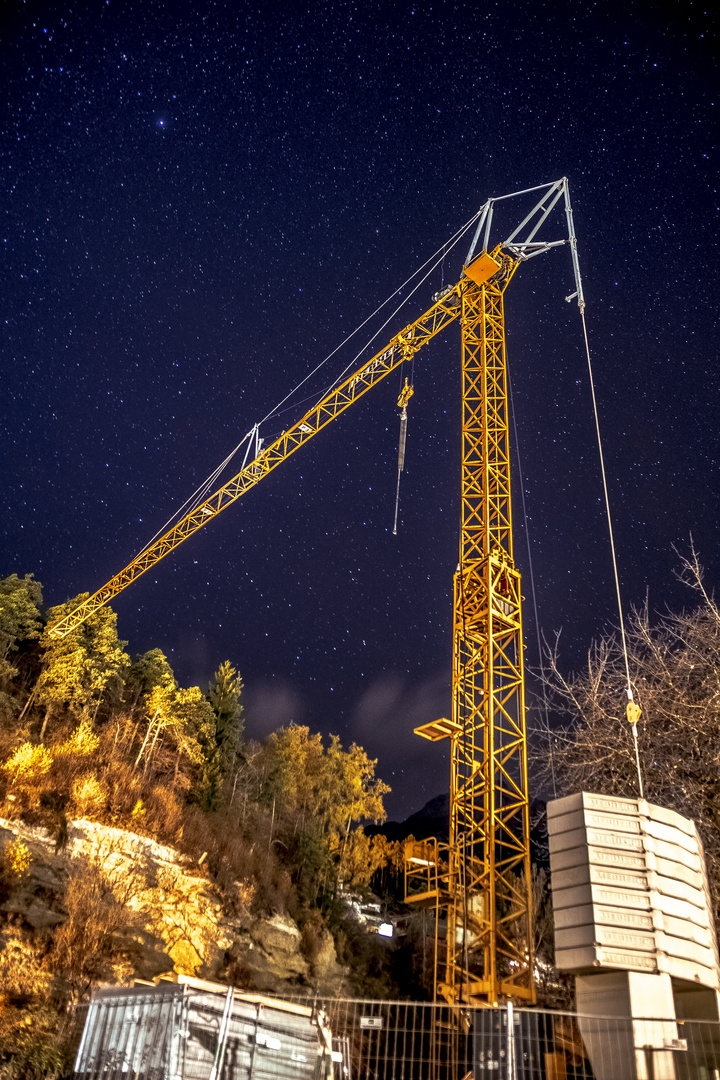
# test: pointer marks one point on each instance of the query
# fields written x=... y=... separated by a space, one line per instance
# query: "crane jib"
x=401 y=348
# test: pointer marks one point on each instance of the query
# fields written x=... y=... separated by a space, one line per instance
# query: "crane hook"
x=405 y=394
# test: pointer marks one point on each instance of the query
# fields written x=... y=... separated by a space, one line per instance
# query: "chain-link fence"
x=180 y=1033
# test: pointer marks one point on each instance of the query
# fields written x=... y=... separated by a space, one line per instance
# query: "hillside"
x=142 y=836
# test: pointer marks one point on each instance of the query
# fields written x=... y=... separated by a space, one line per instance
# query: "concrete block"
x=614 y=840
x=613 y=822
x=668 y=886
x=670 y=905
x=645 y=999
x=674 y=852
x=628 y=879
x=671 y=835
x=574 y=856
x=617 y=857
x=574 y=915
x=684 y=929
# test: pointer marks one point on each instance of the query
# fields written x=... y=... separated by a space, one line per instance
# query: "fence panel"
x=174 y=1035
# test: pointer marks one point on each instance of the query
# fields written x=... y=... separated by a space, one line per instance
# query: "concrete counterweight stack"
x=633 y=922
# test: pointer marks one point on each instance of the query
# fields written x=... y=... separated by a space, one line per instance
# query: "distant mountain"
x=434 y=820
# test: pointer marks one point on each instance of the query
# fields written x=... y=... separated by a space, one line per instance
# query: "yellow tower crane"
x=481 y=879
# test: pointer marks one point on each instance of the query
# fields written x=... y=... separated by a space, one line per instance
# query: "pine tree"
x=19 y=621
x=19 y=617
x=224 y=697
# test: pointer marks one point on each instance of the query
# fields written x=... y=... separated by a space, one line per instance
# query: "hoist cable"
x=401 y=464
x=403 y=420
x=633 y=713
x=612 y=549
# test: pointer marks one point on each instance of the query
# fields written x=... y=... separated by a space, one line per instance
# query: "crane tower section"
x=484 y=881
x=489 y=925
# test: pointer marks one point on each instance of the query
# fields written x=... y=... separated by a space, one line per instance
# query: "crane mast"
x=489 y=951
x=482 y=881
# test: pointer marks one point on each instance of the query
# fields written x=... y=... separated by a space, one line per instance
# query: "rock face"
x=181 y=924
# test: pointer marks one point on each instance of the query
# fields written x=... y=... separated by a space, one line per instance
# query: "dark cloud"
x=383 y=721
x=270 y=706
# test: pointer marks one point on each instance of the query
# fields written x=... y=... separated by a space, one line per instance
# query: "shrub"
x=87 y=794
x=29 y=1045
x=274 y=892
x=313 y=932
x=83 y=741
x=27 y=763
x=15 y=860
x=123 y=791
x=163 y=812
x=87 y=947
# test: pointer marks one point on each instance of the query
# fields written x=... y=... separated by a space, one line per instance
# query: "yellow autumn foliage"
x=15 y=859
x=87 y=793
x=83 y=741
x=27 y=763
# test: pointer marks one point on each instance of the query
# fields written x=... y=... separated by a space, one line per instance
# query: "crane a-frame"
x=482 y=880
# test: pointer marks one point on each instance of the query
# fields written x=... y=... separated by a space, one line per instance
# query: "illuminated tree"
x=354 y=793
x=224 y=697
x=147 y=671
x=83 y=669
x=332 y=786
x=182 y=722
x=19 y=621
x=19 y=616
x=317 y=794
x=362 y=857
x=294 y=762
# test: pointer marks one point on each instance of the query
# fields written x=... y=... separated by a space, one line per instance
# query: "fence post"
x=510 y=1048
x=222 y=1035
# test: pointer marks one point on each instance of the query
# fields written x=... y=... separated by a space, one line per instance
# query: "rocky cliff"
x=177 y=921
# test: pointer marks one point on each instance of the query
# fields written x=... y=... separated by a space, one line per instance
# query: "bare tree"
x=88 y=946
x=675 y=674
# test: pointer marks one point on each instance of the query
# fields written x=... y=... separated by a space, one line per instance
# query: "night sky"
x=200 y=201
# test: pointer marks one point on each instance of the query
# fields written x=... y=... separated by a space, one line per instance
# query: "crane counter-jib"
x=400 y=349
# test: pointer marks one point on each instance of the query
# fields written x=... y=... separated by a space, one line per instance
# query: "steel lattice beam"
x=488 y=879
x=401 y=348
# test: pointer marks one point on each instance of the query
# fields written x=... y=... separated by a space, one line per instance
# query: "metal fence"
x=386 y=1040
x=175 y=1033
x=171 y=1032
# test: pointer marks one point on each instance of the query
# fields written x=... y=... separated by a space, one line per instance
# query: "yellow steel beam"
x=401 y=348
x=489 y=951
